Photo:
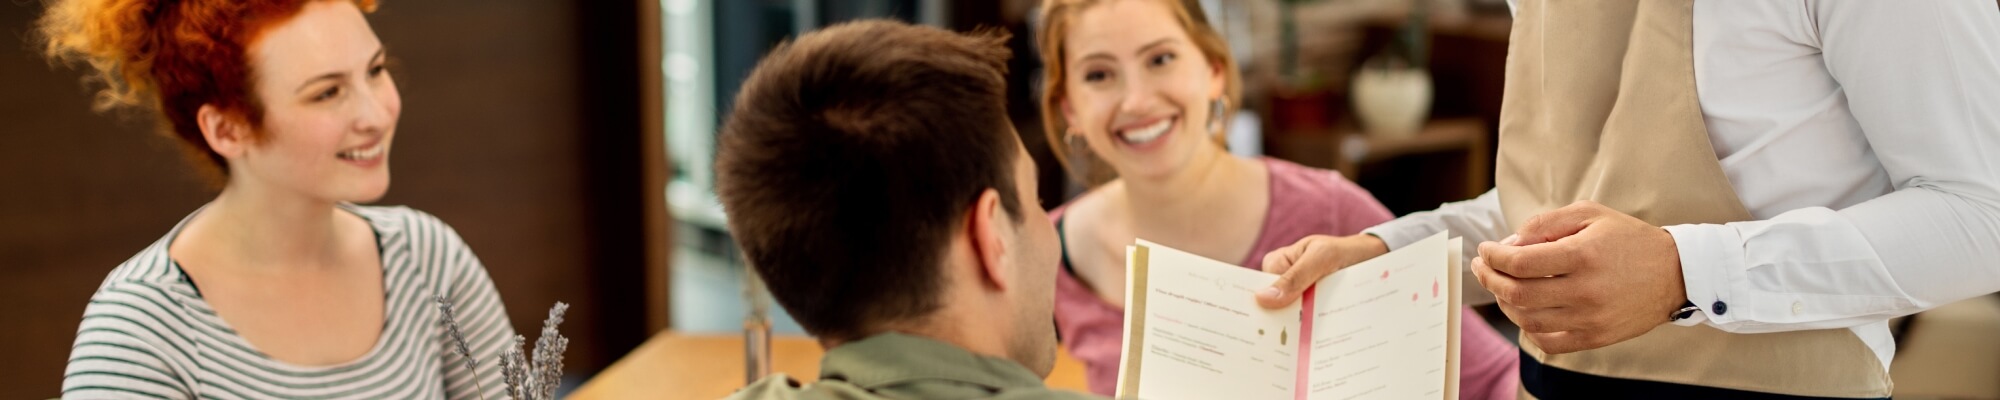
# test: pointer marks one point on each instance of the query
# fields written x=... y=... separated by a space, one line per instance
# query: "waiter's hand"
x=1301 y=264
x=1584 y=276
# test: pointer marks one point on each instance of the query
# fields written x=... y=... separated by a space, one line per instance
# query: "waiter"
x=1725 y=198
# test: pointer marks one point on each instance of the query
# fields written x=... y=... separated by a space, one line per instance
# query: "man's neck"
x=982 y=341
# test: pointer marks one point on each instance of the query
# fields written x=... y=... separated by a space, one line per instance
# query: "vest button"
x=1720 y=308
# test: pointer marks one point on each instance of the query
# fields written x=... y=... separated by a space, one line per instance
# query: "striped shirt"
x=148 y=333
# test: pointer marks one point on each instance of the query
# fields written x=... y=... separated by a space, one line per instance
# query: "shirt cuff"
x=1402 y=231
x=1710 y=258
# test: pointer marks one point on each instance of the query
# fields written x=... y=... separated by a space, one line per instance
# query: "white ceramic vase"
x=1392 y=102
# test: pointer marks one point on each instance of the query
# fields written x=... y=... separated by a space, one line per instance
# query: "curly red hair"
x=169 y=56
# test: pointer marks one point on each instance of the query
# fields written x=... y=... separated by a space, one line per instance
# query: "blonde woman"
x=1144 y=86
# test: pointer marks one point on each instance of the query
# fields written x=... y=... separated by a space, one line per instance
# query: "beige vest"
x=1600 y=104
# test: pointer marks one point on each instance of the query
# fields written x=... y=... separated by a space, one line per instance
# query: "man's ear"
x=985 y=228
x=226 y=133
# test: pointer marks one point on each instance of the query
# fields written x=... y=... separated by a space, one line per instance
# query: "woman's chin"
x=1159 y=164
x=364 y=192
x=1146 y=168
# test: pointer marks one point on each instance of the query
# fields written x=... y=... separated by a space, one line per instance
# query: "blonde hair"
x=1057 y=17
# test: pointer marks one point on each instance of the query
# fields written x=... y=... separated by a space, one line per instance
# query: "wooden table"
x=674 y=365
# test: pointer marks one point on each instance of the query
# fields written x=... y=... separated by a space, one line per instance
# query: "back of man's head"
x=852 y=154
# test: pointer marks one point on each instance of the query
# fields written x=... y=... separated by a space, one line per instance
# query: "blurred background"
x=570 y=144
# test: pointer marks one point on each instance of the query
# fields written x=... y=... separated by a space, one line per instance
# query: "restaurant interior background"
x=569 y=143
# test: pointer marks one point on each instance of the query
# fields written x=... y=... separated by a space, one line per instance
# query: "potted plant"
x=1392 y=90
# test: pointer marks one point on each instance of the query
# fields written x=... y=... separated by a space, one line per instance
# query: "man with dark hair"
x=873 y=179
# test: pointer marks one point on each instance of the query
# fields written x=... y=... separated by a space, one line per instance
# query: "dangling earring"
x=1078 y=152
x=1216 y=109
x=1079 y=160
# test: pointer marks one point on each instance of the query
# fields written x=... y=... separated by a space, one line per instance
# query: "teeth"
x=1148 y=133
x=363 y=154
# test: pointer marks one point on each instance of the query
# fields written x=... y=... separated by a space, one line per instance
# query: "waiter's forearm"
x=1477 y=220
x=1816 y=268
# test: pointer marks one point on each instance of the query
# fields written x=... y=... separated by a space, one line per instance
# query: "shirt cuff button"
x=1720 y=307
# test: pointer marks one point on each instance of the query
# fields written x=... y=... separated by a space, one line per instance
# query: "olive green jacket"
x=897 y=366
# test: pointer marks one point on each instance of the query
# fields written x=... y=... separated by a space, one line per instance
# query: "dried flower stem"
x=513 y=368
x=450 y=321
x=526 y=380
x=549 y=353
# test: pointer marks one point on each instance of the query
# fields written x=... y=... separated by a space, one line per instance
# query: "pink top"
x=1304 y=201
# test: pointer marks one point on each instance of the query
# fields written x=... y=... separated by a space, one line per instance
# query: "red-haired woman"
x=281 y=287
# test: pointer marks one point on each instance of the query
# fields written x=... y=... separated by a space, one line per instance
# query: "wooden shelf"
x=1468 y=135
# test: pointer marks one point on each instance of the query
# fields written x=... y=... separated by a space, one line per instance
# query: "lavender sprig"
x=549 y=349
x=513 y=368
x=526 y=379
x=450 y=320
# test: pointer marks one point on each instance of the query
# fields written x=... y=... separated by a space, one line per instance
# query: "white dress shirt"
x=1862 y=135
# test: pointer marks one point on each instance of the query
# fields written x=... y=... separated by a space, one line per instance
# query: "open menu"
x=1386 y=328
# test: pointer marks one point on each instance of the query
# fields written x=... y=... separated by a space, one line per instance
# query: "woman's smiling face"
x=1138 y=89
x=329 y=107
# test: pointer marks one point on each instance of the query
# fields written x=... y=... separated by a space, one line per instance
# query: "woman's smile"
x=1147 y=135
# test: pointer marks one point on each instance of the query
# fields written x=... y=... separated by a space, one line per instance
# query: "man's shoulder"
x=775 y=386
x=779 y=386
x=782 y=387
x=1045 y=393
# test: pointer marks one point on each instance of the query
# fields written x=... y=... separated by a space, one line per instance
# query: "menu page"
x=1199 y=333
x=1386 y=328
